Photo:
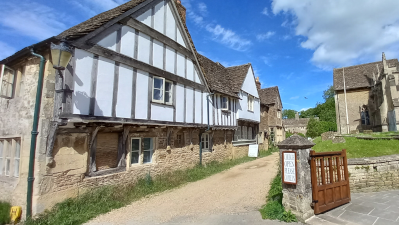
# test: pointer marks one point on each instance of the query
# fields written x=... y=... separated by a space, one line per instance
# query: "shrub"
x=315 y=127
x=5 y=208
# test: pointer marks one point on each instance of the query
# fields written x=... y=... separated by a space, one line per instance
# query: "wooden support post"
x=122 y=152
x=93 y=146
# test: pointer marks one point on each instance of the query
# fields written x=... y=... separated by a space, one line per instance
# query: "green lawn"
x=357 y=148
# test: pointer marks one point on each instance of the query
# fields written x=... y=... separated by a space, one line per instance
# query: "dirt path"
x=240 y=189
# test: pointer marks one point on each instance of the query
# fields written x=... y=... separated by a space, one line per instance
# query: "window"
x=278 y=114
x=8 y=157
x=179 y=140
x=244 y=132
x=365 y=117
x=135 y=155
x=7 y=84
x=205 y=141
x=162 y=91
x=250 y=133
x=225 y=103
x=237 y=134
x=148 y=150
x=250 y=103
x=17 y=158
x=143 y=146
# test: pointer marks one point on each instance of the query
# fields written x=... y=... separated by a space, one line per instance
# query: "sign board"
x=253 y=151
x=289 y=167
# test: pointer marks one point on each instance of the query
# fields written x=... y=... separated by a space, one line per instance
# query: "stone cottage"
x=367 y=96
x=297 y=125
x=271 y=114
x=135 y=98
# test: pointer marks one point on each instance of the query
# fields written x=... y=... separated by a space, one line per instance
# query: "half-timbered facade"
x=136 y=98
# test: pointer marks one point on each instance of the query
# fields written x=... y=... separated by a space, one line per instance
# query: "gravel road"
x=240 y=190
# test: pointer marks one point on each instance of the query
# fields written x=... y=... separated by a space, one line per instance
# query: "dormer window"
x=250 y=103
x=162 y=91
x=225 y=103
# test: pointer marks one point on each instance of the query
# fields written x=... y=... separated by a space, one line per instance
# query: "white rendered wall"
x=145 y=17
x=141 y=110
x=170 y=60
x=249 y=84
x=181 y=65
x=189 y=105
x=82 y=82
x=157 y=50
x=109 y=41
x=125 y=88
x=196 y=77
x=161 y=112
x=170 y=23
x=198 y=103
x=159 y=16
x=105 y=87
x=243 y=112
x=179 y=103
x=128 y=41
x=144 y=44
x=190 y=70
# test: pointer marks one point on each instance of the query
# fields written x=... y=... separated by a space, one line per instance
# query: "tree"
x=289 y=114
x=329 y=93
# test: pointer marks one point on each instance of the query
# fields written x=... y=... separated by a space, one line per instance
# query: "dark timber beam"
x=158 y=36
x=107 y=53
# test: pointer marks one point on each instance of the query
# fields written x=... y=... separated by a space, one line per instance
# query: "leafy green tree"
x=289 y=114
x=329 y=93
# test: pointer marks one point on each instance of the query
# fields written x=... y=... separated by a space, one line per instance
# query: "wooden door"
x=330 y=180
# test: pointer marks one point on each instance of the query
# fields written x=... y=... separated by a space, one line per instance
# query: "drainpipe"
x=346 y=103
x=31 y=177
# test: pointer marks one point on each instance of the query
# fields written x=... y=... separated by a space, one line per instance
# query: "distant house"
x=270 y=98
x=367 y=96
x=297 y=125
x=136 y=98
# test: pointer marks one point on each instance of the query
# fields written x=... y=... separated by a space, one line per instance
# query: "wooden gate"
x=330 y=180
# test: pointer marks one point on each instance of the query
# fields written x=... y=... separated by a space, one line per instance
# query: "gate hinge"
x=313 y=203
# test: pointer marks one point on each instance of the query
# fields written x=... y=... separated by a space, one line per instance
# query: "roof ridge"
x=363 y=64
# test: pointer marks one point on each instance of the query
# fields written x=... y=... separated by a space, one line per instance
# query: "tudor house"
x=135 y=98
x=367 y=97
x=271 y=124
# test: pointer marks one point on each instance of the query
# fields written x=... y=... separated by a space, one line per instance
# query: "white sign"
x=289 y=167
x=253 y=151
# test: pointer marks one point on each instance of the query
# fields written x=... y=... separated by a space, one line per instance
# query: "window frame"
x=8 y=157
x=151 y=149
x=205 y=140
x=1 y=156
x=221 y=103
x=17 y=158
x=163 y=90
x=4 y=67
x=131 y=150
x=250 y=102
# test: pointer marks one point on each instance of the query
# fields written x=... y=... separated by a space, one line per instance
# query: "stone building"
x=271 y=114
x=297 y=125
x=371 y=101
x=133 y=100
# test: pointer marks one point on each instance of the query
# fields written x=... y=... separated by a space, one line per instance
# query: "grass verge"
x=358 y=148
x=102 y=200
x=4 y=212
x=274 y=209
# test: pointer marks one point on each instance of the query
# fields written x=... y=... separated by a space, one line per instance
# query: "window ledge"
x=111 y=171
x=250 y=111
x=162 y=104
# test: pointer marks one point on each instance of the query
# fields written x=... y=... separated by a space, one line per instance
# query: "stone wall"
x=374 y=174
x=68 y=177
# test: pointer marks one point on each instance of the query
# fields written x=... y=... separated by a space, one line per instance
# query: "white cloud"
x=295 y=97
x=6 y=50
x=265 y=11
x=31 y=19
x=344 y=32
x=262 y=37
x=286 y=37
x=203 y=8
x=228 y=37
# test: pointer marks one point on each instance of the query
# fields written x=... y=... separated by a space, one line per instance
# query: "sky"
x=292 y=44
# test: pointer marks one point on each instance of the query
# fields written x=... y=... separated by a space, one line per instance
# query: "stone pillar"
x=298 y=198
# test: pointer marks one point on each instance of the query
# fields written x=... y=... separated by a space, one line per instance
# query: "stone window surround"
x=8 y=82
x=14 y=160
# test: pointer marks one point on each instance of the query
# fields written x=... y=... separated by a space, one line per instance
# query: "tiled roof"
x=269 y=95
x=221 y=79
x=359 y=76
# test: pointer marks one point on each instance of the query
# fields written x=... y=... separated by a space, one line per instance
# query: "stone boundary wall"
x=374 y=174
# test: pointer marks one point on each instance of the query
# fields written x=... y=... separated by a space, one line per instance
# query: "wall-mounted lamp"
x=61 y=55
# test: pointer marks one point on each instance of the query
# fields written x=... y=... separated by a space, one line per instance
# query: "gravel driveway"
x=240 y=190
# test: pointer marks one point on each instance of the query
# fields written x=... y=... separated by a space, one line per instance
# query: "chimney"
x=258 y=84
x=181 y=10
x=296 y=116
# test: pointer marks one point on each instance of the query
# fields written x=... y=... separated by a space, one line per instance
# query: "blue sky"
x=291 y=44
